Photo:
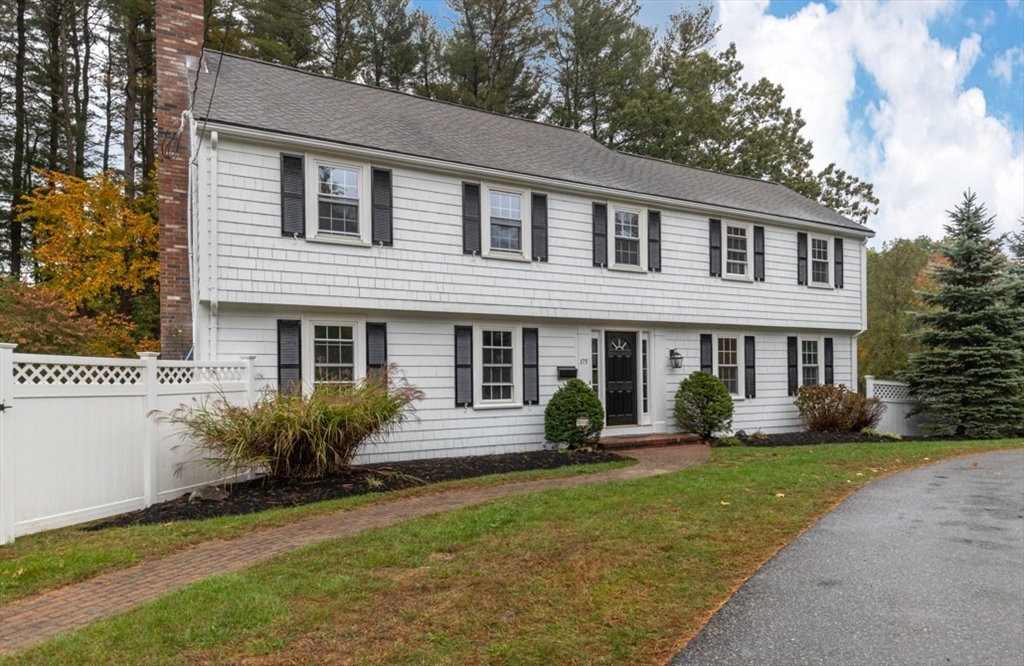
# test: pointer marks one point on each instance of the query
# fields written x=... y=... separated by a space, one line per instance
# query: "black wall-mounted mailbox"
x=566 y=372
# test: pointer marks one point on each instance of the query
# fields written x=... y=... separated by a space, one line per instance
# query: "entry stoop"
x=648 y=441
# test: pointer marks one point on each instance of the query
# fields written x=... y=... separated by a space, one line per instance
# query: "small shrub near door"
x=703 y=405
x=835 y=408
x=574 y=416
x=291 y=434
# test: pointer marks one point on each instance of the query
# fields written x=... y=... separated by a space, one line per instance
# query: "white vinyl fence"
x=898 y=403
x=78 y=442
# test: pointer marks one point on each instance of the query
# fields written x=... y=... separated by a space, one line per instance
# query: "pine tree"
x=970 y=379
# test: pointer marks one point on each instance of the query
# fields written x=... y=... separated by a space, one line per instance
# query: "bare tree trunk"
x=147 y=110
x=130 y=105
x=18 y=165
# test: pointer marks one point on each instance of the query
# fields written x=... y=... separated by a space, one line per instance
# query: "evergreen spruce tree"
x=970 y=378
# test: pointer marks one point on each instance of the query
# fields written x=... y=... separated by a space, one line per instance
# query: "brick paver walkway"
x=34 y=620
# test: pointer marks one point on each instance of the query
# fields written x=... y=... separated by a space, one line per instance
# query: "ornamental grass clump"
x=574 y=416
x=835 y=408
x=296 y=435
x=703 y=405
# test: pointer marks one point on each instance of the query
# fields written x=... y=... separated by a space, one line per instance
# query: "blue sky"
x=923 y=98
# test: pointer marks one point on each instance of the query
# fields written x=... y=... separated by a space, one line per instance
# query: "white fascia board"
x=478 y=173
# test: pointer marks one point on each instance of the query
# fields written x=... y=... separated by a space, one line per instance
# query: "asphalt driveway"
x=922 y=567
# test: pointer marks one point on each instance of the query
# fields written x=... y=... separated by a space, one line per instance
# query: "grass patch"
x=617 y=573
x=40 y=562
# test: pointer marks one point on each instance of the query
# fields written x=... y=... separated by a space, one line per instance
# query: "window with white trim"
x=737 y=250
x=337 y=200
x=595 y=361
x=728 y=363
x=627 y=238
x=506 y=222
x=810 y=362
x=645 y=378
x=820 y=262
x=333 y=354
x=497 y=365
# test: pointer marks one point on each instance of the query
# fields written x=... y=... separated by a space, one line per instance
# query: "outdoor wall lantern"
x=675 y=358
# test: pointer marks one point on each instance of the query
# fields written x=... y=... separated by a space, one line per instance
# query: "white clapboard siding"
x=423 y=348
x=426 y=271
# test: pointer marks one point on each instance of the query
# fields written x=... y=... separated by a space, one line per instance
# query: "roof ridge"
x=407 y=95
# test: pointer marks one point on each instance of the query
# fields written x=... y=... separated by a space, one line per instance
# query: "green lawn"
x=615 y=573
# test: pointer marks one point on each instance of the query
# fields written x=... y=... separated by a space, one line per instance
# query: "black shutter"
x=706 y=354
x=715 y=245
x=381 y=207
x=654 y=240
x=531 y=372
x=839 y=263
x=293 y=200
x=539 y=227
x=801 y=258
x=829 y=369
x=289 y=355
x=600 y=234
x=463 y=366
x=750 y=365
x=376 y=346
x=759 y=254
x=470 y=218
x=793 y=364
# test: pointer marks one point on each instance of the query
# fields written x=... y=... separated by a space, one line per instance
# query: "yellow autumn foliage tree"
x=97 y=248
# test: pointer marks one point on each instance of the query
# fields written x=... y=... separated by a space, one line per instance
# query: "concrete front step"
x=643 y=441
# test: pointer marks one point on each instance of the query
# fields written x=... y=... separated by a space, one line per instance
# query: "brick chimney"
x=179 y=45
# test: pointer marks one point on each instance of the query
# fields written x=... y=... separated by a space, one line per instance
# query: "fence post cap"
x=148 y=354
x=8 y=345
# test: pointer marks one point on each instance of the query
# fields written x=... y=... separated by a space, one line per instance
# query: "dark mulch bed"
x=802 y=438
x=260 y=495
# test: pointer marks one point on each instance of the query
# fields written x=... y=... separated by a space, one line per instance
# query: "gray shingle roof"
x=264 y=96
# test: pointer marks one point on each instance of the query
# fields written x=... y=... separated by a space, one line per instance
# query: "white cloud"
x=924 y=142
x=1007 y=61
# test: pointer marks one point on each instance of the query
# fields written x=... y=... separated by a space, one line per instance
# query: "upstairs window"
x=737 y=256
x=337 y=200
x=627 y=238
x=506 y=222
x=819 y=261
x=333 y=355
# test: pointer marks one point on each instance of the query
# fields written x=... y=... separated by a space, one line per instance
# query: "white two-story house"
x=333 y=227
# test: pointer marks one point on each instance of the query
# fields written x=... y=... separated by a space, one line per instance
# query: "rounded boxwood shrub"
x=575 y=400
x=703 y=405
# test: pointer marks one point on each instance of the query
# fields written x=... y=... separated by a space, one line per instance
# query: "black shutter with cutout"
x=463 y=366
x=839 y=263
x=531 y=371
x=654 y=241
x=293 y=200
x=715 y=246
x=376 y=346
x=829 y=369
x=801 y=258
x=759 y=254
x=289 y=355
x=381 y=223
x=706 y=354
x=539 y=227
x=600 y=215
x=793 y=364
x=470 y=218
x=749 y=366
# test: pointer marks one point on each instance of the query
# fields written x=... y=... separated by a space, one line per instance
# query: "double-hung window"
x=820 y=263
x=627 y=238
x=810 y=365
x=497 y=365
x=333 y=354
x=729 y=364
x=337 y=200
x=737 y=254
x=506 y=211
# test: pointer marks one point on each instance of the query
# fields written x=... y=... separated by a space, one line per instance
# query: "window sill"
x=339 y=240
x=627 y=268
x=812 y=285
x=737 y=278
x=507 y=256
x=502 y=405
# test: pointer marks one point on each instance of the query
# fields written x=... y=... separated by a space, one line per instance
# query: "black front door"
x=620 y=378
